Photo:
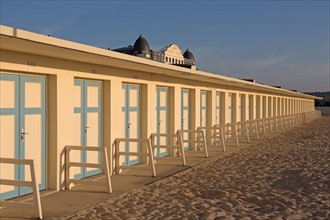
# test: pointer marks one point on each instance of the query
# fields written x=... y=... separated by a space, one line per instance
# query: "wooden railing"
x=104 y=165
x=243 y=130
x=119 y=153
x=231 y=133
x=177 y=145
x=33 y=183
x=199 y=140
x=217 y=136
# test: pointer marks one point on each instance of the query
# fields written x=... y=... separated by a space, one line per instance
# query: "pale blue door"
x=131 y=110
x=162 y=118
x=240 y=108
x=203 y=109
x=90 y=114
x=185 y=114
x=250 y=109
x=217 y=108
x=22 y=130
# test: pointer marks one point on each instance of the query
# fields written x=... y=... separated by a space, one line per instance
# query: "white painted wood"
x=31 y=183
x=149 y=153
x=104 y=165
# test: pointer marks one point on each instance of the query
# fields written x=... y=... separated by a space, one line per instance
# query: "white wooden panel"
x=217 y=99
x=240 y=108
x=163 y=129
x=75 y=155
x=203 y=101
x=133 y=133
x=93 y=128
x=7 y=94
x=77 y=96
x=7 y=149
x=162 y=98
x=229 y=107
x=217 y=108
x=121 y=118
x=255 y=107
x=133 y=97
x=122 y=149
x=92 y=96
x=186 y=123
x=33 y=144
x=203 y=124
x=92 y=137
x=163 y=119
x=185 y=99
x=32 y=95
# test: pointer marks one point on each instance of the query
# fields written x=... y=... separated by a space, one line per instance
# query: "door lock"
x=86 y=128
x=23 y=134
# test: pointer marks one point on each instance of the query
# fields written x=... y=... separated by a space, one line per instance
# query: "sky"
x=282 y=43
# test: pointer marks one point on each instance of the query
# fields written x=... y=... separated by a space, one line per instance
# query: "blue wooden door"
x=230 y=115
x=217 y=108
x=131 y=110
x=185 y=114
x=89 y=112
x=162 y=118
x=22 y=130
x=203 y=109
x=240 y=108
x=250 y=107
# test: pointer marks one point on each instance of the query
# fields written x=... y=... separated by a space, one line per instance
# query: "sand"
x=285 y=176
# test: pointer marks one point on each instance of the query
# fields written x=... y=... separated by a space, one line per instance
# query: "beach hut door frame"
x=203 y=109
x=185 y=114
x=131 y=110
x=90 y=111
x=22 y=129
x=162 y=119
x=217 y=108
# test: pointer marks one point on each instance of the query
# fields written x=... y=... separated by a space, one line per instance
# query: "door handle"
x=23 y=134
x=129 y=124
x=86 y=128
x=159 y=122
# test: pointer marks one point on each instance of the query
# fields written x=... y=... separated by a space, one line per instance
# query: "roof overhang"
x=13 y=39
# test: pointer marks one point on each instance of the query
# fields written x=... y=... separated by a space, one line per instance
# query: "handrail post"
x=35 y=190
x=106 y=170
x=67 y=168
x=152 y=139
x=264 y=126
x=180 y=139
x=117 y=157
x=257 y=129
x=247 y=132
x=236 y=134
x=222 y=139
x=151 y=155
x=111 y=158
x=204 y=142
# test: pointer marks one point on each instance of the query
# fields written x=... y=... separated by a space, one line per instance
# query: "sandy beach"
x=283 y=176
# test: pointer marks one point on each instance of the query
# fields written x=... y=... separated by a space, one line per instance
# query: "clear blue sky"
x=275 y=42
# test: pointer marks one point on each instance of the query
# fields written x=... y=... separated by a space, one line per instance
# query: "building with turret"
x=171 y=54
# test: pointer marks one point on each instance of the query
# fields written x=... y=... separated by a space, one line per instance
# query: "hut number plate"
x=31 y=63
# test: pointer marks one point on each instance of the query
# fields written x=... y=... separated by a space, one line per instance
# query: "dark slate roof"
x=141 y=45
x=189 y=55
